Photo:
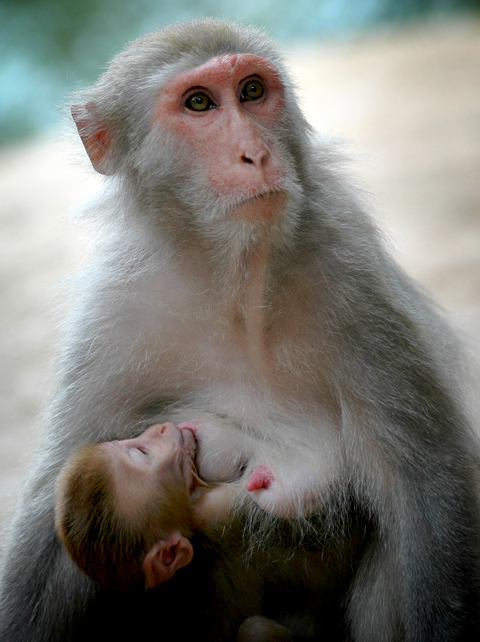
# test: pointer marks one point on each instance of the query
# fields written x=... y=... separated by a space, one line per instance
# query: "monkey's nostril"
x=245 y=159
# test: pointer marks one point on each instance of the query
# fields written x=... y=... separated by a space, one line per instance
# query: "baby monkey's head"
x=124 y=509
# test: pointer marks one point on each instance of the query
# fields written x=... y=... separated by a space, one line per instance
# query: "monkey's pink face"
x=163 y=454
x=227 y=111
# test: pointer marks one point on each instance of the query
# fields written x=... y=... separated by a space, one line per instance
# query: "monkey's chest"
x=202 y=354
x=217 y=368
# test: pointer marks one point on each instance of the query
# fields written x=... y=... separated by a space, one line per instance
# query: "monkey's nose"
x=158 y=429
x=256 y=157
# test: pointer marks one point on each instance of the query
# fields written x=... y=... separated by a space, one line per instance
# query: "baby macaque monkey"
x=126 y=511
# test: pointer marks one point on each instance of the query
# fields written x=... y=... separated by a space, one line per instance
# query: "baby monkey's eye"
x=199 y=102
x=252 y=90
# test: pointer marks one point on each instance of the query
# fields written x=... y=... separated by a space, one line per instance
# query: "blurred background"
x=399 y=82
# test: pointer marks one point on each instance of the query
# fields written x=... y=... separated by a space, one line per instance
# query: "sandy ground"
x=408 y=102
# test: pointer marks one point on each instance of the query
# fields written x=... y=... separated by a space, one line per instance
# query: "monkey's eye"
x=138 y=455
x=199 y=102
x=252 y=90
x=142 y=450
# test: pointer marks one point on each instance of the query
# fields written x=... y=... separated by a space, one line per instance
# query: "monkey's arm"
x=44 y=597
x=213 y=506
x=43 y=594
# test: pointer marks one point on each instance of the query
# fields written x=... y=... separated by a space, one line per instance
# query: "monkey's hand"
x=213 y=505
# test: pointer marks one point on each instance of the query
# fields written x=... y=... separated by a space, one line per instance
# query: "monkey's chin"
x=262 y=208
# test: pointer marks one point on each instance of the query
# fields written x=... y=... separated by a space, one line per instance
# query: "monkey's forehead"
x=225 y=69
x=223 y=66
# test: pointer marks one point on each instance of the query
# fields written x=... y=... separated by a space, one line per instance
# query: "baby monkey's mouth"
x=190 y=469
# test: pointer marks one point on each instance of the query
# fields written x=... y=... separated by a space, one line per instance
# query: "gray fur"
x=364 y=377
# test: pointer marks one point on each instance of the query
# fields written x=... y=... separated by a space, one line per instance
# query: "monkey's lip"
x=189 y=448
x=263 y=204
x=189 y=443
x=265 y=193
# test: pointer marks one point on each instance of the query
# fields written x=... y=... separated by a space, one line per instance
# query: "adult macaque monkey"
x=239 y=276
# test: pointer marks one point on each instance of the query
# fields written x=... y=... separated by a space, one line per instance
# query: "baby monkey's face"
x=163 y=454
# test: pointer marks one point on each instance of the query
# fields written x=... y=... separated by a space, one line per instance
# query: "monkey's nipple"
x=261 y=478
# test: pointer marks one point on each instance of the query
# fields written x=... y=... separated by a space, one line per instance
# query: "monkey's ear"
x=165 y=558
x=96 y=136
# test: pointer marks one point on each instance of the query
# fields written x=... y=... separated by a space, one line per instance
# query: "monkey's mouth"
x=262 y=193
x=264 y=204
x=190 y=471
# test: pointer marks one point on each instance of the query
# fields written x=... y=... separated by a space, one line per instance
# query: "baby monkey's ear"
x=165 y=558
